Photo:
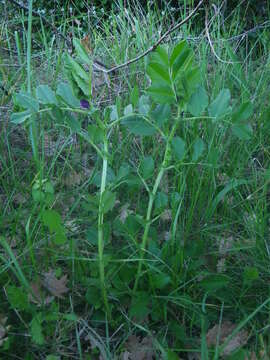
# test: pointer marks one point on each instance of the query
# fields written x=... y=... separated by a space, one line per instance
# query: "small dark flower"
x=84 y=104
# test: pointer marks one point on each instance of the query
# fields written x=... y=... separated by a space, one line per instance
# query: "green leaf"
x=161 y=201
x=215 y=282
x=123 y=172
x=233 y=184
x=132 y=226
x=92 y=236
x=161 y=114
x=170 y=355
x=52 y=357
x=242 y=131
x=81 y=52
x=96 y=180
x=177 y=329
x=240 y=128
x=45 y=95
x=60 y=237
x=181 y=62
x=82 y=84
x=161 y=94
x=240 y=354
x=134 y=96
x=76 y=68
x=178 y=147
x=147 y=167
x=17 y=297
x=139 y=306
x=26 y=101
x=65 y=92
x=138 y=126
x=70 y=317
x=188 y=82
x=52 y=220
x=158 y=73
x=128 y=110
x=161 y=280
x=48 y=187
x=93 y=297
x=108 y=200
x=114 y=113
x=198 y=149
x=161 y=55
x=72 y=122
x=95 y=133
x=38 y=195
x=243 y=113
x=198 y=102
x=36 y=330
x=221 y=105
x=177 y=51
x=250 y=274
x=144 y=105
x=20 y=117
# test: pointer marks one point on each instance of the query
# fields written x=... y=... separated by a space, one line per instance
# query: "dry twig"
x=102 y=67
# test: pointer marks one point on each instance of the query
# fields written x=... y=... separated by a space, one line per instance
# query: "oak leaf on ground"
x=57 y=287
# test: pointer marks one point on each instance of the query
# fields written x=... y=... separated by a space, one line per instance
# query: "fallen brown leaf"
x=139 y=350
x=37 y=297
x=166 y=215
x=57 y=287
x=124 y=212
x=225 y=330
x=19 y=199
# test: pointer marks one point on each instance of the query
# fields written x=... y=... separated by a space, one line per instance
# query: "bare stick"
x=153 y=47
x=102 y=67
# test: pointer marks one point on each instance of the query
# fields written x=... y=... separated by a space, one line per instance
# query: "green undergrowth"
x=134 y=216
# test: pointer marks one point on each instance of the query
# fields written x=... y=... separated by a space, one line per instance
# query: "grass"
x=151 y=243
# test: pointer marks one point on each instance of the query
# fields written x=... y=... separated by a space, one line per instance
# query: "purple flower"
x=84 y=104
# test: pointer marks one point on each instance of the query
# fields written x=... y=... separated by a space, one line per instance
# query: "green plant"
x=176 y=244
x=175 y=91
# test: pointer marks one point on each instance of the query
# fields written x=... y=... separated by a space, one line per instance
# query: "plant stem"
x=32 y=126
x=152 y=196
x=100 y=226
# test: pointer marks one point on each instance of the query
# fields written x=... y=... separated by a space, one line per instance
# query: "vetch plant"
x=175 y=93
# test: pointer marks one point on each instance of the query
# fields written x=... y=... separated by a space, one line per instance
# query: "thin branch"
x=153 y=47
x=101 y=67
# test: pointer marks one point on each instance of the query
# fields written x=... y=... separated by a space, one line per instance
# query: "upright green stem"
x=100 y=225
x=32 y=126
x=152 y=196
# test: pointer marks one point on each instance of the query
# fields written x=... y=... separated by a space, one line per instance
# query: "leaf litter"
x=57 y=287
x=224 y=331
x=137 y=349
x=37 y=296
